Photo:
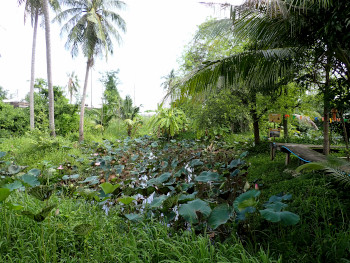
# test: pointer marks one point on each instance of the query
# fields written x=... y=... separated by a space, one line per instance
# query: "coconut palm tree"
x=169 y=83
x=72 y=85
x=45 y=7
x=34 y=8
x=90 y=26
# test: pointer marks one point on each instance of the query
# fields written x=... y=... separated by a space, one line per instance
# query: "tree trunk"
x=326 y=98
x=32 y=73
x=285 y=119
x=48 y=64
x=285 y=127
x=346 y=138
x=255 y=119
x=82 y=107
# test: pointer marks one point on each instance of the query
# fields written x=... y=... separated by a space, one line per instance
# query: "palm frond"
x=254 y=68
x=333 y=167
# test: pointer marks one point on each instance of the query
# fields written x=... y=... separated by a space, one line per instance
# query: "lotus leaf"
x=208 y=176
x=4 y=193
x=158 y=201
x=126 y=200
x=133 y=217
x=246 y=199
x=35 y=172
x=220 y=215
x=40 y=216
x=196 y=162
x=285 y=217
x=108 y=188
x=13 y=186
x=189 y=210
x=30 y=180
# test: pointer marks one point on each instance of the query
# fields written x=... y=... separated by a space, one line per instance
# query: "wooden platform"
x=306 y=153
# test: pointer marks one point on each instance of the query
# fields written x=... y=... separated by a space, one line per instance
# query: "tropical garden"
x=192 y=181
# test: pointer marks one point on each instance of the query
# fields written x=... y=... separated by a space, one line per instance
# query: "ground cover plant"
x=187 y=191
x=35 y=202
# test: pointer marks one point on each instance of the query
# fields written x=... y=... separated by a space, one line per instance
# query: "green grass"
x=323 y=233
x=31 y=151
x=112 y=239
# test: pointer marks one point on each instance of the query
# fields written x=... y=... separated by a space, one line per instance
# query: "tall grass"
x=112 y=239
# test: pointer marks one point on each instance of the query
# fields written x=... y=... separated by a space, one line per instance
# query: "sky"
x=157 y=31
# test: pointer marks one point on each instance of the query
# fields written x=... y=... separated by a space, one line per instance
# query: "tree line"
x=90 y=26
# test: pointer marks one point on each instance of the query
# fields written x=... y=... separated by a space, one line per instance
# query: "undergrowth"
x=323 y=233
x=112 y=239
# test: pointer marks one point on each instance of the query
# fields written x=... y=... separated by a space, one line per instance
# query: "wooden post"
x=273 y=151
x=287 y=158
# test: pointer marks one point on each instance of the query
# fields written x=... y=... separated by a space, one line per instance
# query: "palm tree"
x=45 y=4
x=128 y=113
x=169 y=83
x=90 y=26
x=72 y=85
x=127 y=110
x=32 y=8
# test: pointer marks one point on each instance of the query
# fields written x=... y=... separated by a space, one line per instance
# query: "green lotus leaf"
x=208 y=176
x=158 y=201
x=126 y=200
x=133 y=217
x=189 y=210
x=285 y=217
x=13 y=186
x=246 y=199
x=39 y=217
x=108 y=188
x=30 y=180
x=4 y=193
x=196 y=162
x=220 y=215
x=35 y=172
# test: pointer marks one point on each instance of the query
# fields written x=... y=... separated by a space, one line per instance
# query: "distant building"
x=17 y=104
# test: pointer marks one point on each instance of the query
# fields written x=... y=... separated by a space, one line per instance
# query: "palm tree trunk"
x=32 y=73
x=346 y=138
x=82 y=107
x=255 y=119
x=326 y=98
x=48 y=64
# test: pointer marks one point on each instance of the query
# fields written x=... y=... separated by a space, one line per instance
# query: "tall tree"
x=32 y=8
x=275 y=27
x=318 y=26
x=49 y=67
x=111 y=94
x=72 y=85
x=91 y=27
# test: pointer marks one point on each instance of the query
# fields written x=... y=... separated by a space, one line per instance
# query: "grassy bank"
x=112 y=238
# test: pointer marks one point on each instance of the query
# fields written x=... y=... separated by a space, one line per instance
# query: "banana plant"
x=168 y=122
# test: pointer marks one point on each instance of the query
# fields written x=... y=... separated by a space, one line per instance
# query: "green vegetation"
x=194 y=182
